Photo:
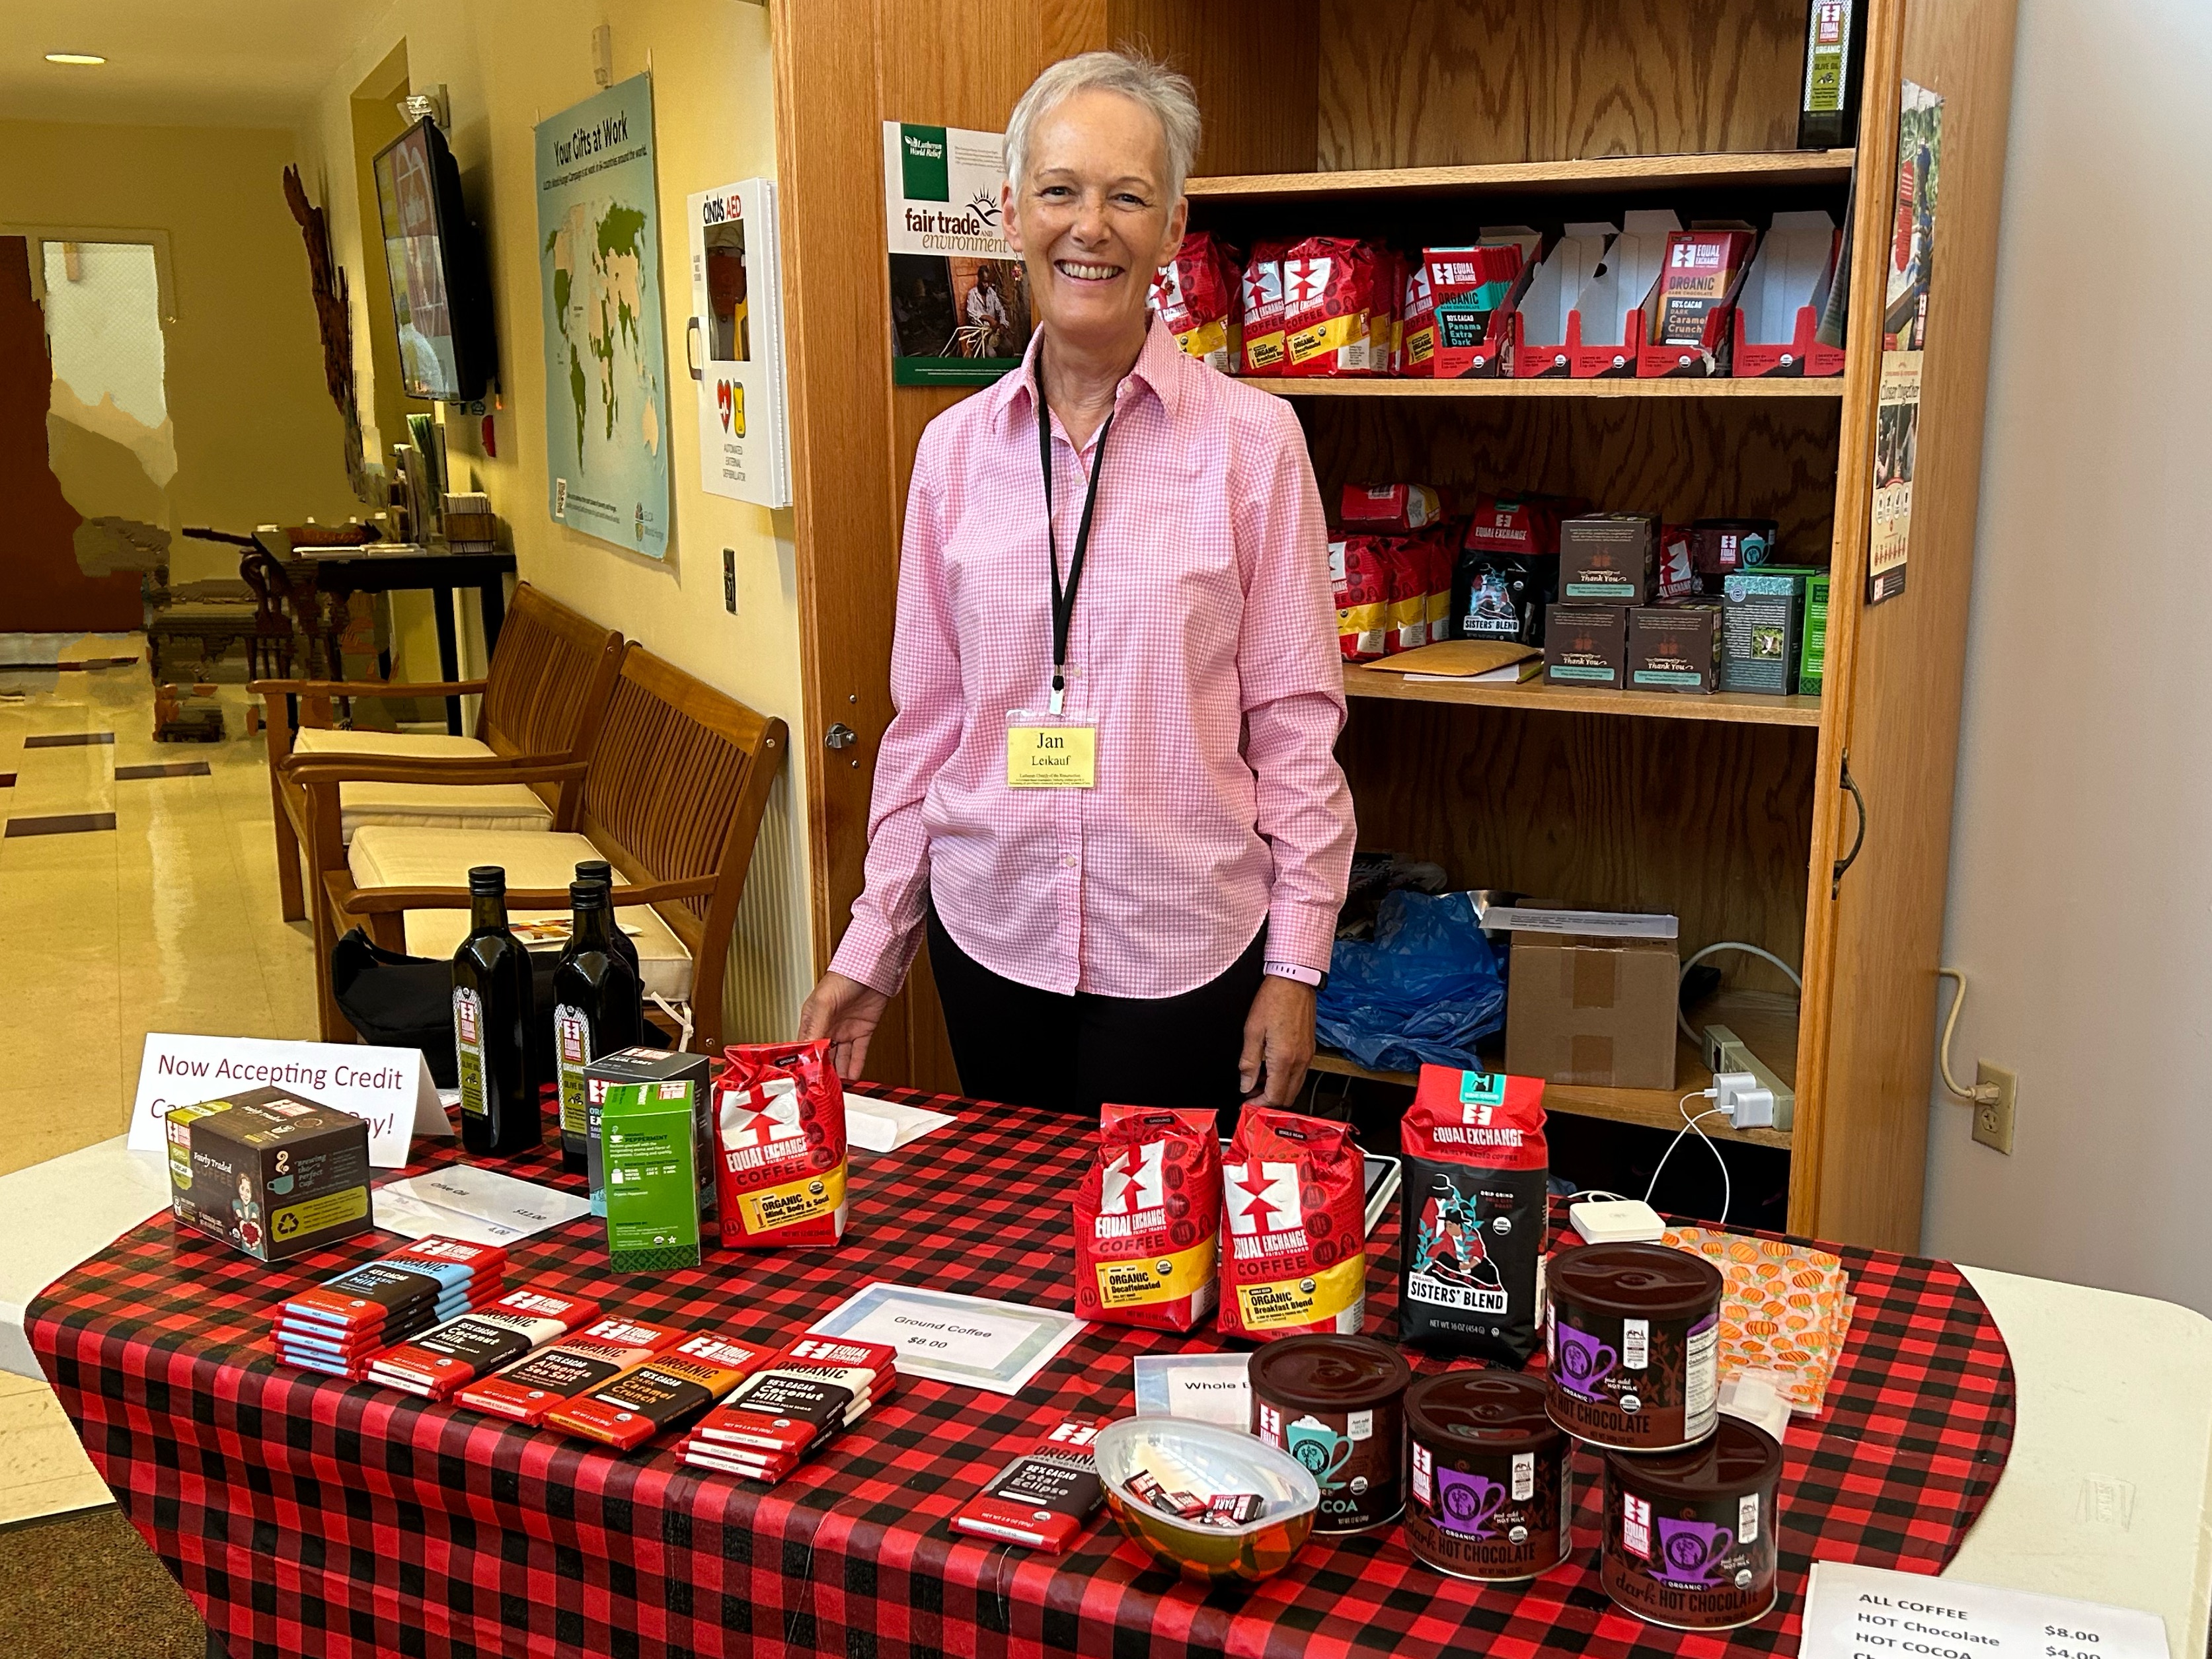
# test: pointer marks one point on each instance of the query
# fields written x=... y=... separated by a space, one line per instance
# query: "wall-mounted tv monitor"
x=441 y=296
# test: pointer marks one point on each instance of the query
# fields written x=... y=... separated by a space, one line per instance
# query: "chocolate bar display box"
x=269 y=1173
x=1473 y=289
x=1538 y=337
x=1607 y=326
x=1689 y=316
x=1586 y=646
x=1777 y=314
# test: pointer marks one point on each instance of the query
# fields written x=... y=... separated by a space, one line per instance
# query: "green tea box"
x=1813 y=653
x=1762 y=612
x=269 y=1173
x=649 y=1155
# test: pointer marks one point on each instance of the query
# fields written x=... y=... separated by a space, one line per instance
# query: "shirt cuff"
x=874 y=956
x=1302 y=933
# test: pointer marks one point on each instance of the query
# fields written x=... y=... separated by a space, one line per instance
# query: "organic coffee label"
x=1476 y=1202
x=1295 y=1258
x=468 y=1048
x=1148 y=1219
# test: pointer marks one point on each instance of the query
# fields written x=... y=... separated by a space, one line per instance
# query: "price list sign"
x=1869 y=1612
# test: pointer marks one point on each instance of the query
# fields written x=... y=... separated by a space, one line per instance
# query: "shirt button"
x=1069 y=861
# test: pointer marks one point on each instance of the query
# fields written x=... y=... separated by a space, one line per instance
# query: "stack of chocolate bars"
x=787 y=1410
x=663 y=1392
x=343 y=1323
x=451 y=1355
x=528 y=1390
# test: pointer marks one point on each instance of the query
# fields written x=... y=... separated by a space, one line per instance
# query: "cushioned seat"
x=423 y=805
x=384 y=855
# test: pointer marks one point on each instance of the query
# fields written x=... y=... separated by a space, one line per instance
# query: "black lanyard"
x=1063 y=598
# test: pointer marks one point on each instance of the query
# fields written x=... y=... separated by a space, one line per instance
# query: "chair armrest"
x=309 y=770
x=357 y=689
x=383 y=901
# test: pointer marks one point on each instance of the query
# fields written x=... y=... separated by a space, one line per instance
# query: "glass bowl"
x=1224 y=1461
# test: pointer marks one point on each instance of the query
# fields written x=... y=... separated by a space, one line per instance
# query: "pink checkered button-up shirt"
x=1204 y=647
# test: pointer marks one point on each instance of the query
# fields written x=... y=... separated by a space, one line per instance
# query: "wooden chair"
x=544 y=695
x=671 y=797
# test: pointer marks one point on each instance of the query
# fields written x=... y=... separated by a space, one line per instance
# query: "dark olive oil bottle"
x=595 y=1008
x=499 y=1114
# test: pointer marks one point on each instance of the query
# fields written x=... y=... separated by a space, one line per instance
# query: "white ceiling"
x=200 y=62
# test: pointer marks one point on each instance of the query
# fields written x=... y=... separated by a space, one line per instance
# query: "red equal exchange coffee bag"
x=1477 y=1201
x=1406 y=559
x=1148 y=1219
x=1196 y=294
x=1389 y=509
x=1418 y=324
x=1293 y=1200
x=1361 y=578
x=1328 y=293
x=1260 y=309
x=779 y=1132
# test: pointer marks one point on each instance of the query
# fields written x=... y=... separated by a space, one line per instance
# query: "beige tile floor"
x=168 y=922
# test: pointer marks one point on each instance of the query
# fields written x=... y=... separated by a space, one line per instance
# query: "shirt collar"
x=1159 y=369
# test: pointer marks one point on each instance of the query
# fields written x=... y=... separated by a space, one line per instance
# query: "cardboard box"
x=644 y=1065
x=1539 y=332
x=1762 y=614
x=1675 y=647
x=1690 y=317
x=1813 y=652
x=1606 y=329
x=1607 y=558
x=269 y=1173
x=1777 y=314
x=1586 y=646
x=1599 y=1012
x=1473 y=290
x=649 y=1153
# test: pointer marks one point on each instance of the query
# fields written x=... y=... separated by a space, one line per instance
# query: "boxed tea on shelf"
x=1586 y=646
x=649 y=1153
x=645 y=1065
x=1607 y=558
x=1674 y=646
x=1761 y=614
x=269 y=1173
x=1813 y=653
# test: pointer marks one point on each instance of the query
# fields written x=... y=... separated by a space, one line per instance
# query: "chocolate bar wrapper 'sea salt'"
x=1148 y=1219
x=1294 y=1260
x=779 y=1133
x=527 y=1391
x=477 y=1343
x=665 y=1392
x=1045 y=1498
x=1476 y=1198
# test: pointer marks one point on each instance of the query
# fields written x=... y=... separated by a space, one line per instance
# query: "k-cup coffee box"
x=268 y=1172
x=649 y=1066
x=1586 y=645
x=1813 y=653
x=649 y=1153
x=1674 y=646
x=1607 y=558
x=1718 y=546
x=1762 y=612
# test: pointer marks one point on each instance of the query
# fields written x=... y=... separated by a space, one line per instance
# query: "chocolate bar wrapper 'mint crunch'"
x=665 y=1392
x=527 y=1391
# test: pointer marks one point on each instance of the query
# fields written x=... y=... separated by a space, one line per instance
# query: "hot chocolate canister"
x=1633 y=1345
x=1490 y=1495
x=1337 y=1405
x=1690 y=1535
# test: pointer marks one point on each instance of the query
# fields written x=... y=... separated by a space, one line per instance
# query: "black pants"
x=1071 y=1054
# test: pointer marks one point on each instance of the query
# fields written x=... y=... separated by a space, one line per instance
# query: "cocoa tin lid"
x=1488 y=1410
x=1738 y=1458
x=1329 y=1373
x=1635 y=1279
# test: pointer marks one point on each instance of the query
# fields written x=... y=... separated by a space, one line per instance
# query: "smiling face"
x=1091 y=218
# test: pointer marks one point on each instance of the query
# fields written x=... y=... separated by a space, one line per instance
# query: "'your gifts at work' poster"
x=1904 y=338
x=960 y=302
x=606 y=353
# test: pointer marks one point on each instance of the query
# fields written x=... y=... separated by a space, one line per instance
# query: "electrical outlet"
x=1993 y=1119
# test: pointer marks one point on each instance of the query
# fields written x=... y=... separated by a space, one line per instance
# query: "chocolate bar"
x=665 y=1392
x=1233 y=1509
x=463 y=1349
x=784 y=1412
x=530 y=1388
x=1043 y=1498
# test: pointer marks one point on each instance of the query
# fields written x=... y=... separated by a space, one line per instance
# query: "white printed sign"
x=390 y=1088
x=1870 y=1613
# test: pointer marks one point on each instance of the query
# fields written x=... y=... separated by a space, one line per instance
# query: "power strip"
x=1727 y=1051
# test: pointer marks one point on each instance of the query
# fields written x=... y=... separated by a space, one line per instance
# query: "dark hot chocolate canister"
x=1690 y=1534
x=1490 y=1495
x=1337 y=1405
x=1633 y=1345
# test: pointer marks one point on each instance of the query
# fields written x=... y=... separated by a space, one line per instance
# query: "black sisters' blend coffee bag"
x=1477 y=1205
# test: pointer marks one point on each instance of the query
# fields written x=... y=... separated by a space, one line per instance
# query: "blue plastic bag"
x=1426 y=987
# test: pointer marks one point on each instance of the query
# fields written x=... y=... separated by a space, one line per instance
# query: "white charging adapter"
x=1617 y=1221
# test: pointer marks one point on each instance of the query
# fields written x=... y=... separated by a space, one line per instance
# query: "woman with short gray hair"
x=1109 y=800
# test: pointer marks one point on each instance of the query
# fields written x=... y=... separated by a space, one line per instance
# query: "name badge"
x=1047 y=753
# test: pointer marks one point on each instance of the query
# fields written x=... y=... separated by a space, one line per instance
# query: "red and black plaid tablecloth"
x=306 y=1516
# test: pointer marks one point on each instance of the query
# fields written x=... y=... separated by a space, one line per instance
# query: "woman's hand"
x=846 y=1012
x=1278 y=1041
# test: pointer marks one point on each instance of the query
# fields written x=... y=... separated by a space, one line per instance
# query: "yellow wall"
x=506 y=65
x=258 y=439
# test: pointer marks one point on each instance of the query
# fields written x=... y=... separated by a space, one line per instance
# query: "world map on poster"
x=606 y=353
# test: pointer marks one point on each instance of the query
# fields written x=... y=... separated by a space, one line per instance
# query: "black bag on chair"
x=407 y=1002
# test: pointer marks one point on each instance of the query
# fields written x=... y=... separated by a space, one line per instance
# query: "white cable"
x=1982 y=1093
x=681 y=1015
x=1683 y=1019
x=1727 y=1191
x=1599 y=1192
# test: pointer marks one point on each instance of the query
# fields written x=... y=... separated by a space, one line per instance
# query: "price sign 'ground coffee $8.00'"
x=1476 y=1201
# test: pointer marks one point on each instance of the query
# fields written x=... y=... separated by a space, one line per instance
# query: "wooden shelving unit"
x=1827 y=390
x=1742 y=708
x=1605 y=173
